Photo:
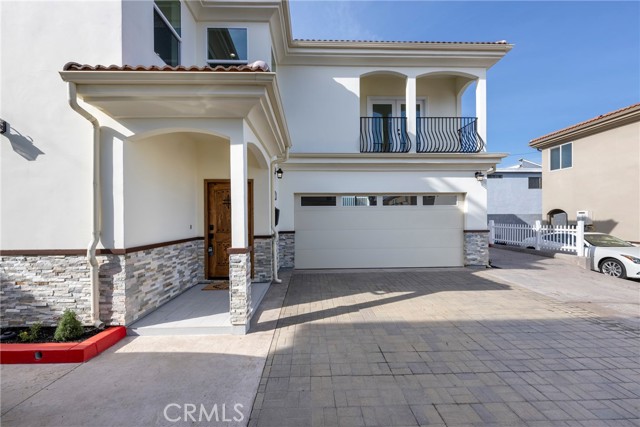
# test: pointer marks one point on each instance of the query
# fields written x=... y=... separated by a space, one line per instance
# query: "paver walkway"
x=442 y=347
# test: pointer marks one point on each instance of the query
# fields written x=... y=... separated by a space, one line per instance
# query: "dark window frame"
x=537 y=180
x=167 y=32
x=230 y=43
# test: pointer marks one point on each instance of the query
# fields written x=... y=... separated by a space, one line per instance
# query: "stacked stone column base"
x=476 y=248
x=240 y=287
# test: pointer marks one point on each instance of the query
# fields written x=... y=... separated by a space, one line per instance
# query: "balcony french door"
x=388 y=125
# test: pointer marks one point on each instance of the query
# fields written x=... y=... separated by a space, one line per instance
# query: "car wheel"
x=613 y=267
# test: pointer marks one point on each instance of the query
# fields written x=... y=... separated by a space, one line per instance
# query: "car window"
x=606 y=240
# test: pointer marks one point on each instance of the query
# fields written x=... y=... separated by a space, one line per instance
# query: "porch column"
x=239 y=252
x=481 y=108
x=410 y=98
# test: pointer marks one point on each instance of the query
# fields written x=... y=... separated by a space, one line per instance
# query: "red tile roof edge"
x=256 y=67
x=584 y=123
x=500 y=42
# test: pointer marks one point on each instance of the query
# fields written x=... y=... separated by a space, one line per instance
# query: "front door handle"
x=210 y=250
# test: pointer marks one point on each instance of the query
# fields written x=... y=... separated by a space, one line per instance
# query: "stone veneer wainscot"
x=262 y=259
x=286 y=249
x=476 y=248
x=40 y=288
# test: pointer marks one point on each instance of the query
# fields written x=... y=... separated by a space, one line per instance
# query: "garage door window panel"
x=402 y=200
x=440 y=200
x=359 y=200
x=318 y=201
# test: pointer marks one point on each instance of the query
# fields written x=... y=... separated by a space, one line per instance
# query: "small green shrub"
x=35 y=331
x=33 y=334
x=69 y=327
x=24 y=336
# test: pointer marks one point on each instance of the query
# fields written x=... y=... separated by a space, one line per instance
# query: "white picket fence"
x=568 y=238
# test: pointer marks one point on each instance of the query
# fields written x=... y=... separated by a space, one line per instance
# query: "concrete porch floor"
x=195 y=312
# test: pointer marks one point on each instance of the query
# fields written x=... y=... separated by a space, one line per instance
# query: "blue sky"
x=572 y=60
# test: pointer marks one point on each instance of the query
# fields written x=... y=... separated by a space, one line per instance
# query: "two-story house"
x=189 y=140
x=514 y=194
x=593 y=167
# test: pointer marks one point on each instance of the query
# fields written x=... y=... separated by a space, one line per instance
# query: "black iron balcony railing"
x=384 y=135
x=448 y=135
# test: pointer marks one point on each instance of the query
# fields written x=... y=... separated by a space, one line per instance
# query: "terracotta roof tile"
x=258 y=66
x=585 y=123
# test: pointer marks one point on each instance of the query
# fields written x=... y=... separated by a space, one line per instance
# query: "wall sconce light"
x=479 y=176
x=279 y=173
x=3 y=126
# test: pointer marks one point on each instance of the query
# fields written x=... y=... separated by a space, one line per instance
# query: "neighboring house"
x=514 y=194
x=594 y=167
x=164 y=164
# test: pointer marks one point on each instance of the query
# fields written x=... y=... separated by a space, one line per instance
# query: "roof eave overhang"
x=592 y=128
x=230 y=10
x=400 y=57
x=396 y=161
x=252 y=96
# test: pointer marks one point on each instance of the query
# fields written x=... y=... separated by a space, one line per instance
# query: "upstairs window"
x=561 y=157
x=167 y=31
x=226 y=46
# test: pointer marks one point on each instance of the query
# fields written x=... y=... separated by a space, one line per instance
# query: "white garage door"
x=375 y=231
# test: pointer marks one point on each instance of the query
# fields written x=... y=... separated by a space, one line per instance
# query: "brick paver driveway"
x=442 y=347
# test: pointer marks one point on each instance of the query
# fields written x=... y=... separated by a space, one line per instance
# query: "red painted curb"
x=61 y=352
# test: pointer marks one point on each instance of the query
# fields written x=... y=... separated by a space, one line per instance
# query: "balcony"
x=448 y=135
x=384 y=135
x=433 y=135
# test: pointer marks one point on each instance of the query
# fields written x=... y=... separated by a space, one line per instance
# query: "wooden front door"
x=218 y=226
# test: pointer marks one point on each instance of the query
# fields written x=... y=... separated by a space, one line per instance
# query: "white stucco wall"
x=511 y=194
x=160 y=192
x=441 y=94
x=323 y=105
x=46 y=201
x=380 y=182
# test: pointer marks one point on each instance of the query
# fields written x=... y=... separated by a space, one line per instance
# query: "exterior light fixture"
x=479 y=176
x=279 y=173
x=3 y=126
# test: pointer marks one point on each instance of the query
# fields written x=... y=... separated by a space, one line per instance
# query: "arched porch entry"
x=180 y=126
x=179 y=188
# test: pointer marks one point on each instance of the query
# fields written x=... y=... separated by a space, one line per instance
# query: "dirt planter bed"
x=74 y=352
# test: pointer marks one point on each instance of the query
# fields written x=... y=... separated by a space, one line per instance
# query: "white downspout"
x=274 y=231
x=96 y=207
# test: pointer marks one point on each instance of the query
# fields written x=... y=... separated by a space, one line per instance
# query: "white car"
x=609 y=255
x=613 y=256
